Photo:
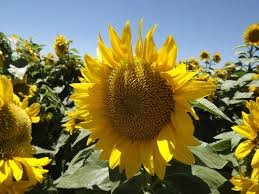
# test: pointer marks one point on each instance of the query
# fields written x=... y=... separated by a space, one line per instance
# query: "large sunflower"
x=251 y=35
x=249 y=129
x=18 y=169
x=137 y=105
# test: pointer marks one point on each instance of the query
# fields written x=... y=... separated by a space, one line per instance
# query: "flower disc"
x=138 y=101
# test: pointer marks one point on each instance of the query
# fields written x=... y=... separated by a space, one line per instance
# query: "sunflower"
x=192 y=64
x=204 y=55
x=253 y=89
x=23 y=89
x=74 y=121
x=246 y=184
x=18 y=169
x=61 y=46
x=50 y=59
x=221 y=73
x=137 y=104
x=249 y=129
x=216 y=57
x=251 y=35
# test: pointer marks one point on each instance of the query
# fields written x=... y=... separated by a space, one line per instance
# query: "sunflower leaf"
x=210 y=107
x=210 y=176
x=207 y=156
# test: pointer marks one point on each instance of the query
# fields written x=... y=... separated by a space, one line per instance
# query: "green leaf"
x=210 y=107
x=243 y=95
x=207 y=155
x=211 y=177
x=230 y=135
x=228 y=84
x=225 y=135
x=93 y=173
x=82 y=135
x=245 y=78
x=221 y=145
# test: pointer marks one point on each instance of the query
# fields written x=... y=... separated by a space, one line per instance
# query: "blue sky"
x=215 y=25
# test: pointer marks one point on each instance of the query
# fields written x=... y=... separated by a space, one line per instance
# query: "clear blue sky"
x=214 y=25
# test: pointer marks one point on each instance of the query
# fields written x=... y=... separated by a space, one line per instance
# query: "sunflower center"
x=139 y=102
x=254 y=36
x=15 y=130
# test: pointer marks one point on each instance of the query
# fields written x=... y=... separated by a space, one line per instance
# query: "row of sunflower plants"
x=131 y=120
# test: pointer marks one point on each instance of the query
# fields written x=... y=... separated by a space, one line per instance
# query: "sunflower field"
x=135 y=119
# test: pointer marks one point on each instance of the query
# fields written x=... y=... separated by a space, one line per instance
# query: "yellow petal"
x=255 y=160
x=6 y=90
x=133 y=162
x=159 y=162
x=150 y=51
x=196 y=89
x=126 y=43
x=17 y=169
x=244 y=148
x=146 y=153
x=245 y=131
x=165 y=143
x=114 y=160
x=167 y=54
x=33 y=111
x=115 y=43
x=184 y=155
x=139 y=44
x=107 y=55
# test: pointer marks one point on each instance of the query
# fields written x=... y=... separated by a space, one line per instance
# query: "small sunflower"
x=249 y=129
x=204 y=55
x=61 y=46
x=192 y=64
x=221 y=73
x=18 y=168
x=251 y=35
x=137 y=105
x=23 y=89
x=246 y=184
x=50 y=59
x=74 y=121
x=253 y=89
x=216 y=57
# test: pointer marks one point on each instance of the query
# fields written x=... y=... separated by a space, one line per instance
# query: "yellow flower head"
x=249 y=129
x=25 y=48
x=246 y=184
x=74 y=121
x=50 y=59
x=221 y=73
x=216 y=57
x=136 y=104
x=251 y=35
x=192 y=64
x=253 y=89
x=23 y=89
x=204 y=55
x=61 y=46
x=255 y=77
x=16 y=162
x=2 y=58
